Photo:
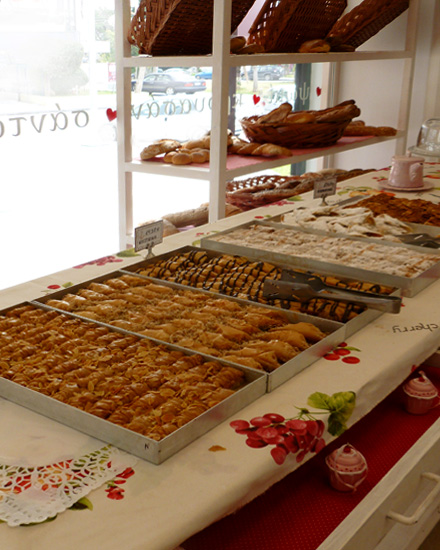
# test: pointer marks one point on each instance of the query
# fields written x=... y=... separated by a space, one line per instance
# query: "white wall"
x=376 y=85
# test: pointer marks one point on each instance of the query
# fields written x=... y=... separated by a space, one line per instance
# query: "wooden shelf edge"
x=265 y=59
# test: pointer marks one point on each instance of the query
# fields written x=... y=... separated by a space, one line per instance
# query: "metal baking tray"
x=409 y=287
x=337 y=332
x=416 y=228
x=350 y=327
x=123 y=438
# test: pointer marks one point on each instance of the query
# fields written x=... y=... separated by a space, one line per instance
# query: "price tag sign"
x=324 y=187
x=147 y=235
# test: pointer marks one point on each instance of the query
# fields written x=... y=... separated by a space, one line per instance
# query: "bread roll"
x=168 y=158
x=202 y=143
x=159 y=147
x=314 y=46
x=200 y=156
x=237 y=43
x=181 y=158
x=271 y=150
x=250 y=48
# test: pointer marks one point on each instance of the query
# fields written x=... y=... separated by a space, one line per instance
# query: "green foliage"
x=340 y=405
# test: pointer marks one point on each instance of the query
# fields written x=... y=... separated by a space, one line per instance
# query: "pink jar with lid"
x=347 y=468
x=419 y=394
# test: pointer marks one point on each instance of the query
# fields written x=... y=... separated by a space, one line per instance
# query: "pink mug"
x=406 y=171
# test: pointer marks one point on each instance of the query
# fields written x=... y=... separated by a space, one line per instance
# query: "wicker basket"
x=283 y=25
x=364 y=21
x=296 y=135
x=179 y=27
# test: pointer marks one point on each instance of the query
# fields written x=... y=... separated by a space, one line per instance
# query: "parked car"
x=171 y=83
x=205 y=73
x=266 y=72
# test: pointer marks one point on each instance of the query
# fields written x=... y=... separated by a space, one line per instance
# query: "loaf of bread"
x=359 y=128
x=237 y=43
x=314 y=46
x=159 y=147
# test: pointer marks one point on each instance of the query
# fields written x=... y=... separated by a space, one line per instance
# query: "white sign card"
x=148 y=235
x=324 y=187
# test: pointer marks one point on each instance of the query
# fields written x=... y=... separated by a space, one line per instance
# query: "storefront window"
x=58 y=150
x=58 y=173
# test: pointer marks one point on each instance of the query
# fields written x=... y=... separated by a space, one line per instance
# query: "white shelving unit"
x=218 y=173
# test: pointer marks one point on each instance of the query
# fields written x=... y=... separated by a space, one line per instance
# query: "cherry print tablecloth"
x=141 y=505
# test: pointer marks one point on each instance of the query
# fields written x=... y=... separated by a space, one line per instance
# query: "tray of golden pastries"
x=145 y=397
x=245 y=278
x=408 y=268
x=275 y=342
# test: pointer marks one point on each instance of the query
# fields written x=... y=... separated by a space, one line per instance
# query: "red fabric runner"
x=301 y=511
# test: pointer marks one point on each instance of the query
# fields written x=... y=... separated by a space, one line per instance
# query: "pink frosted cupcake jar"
x=419 y=394
x=347 y=468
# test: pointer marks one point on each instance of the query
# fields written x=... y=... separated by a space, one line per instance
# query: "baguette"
x=277 y=115
x=301 y=117
x=364 y=130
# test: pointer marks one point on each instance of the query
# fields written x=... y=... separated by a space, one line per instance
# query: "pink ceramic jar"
x=419 y=394
x=347 y=468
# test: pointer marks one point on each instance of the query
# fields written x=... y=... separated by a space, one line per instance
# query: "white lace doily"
x=32 y=494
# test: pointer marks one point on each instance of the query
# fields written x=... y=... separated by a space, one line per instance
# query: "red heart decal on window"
x=318 y=91
x=256 y=99
x=111 y=115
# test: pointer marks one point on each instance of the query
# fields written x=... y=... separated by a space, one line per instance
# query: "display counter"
x=122 y=501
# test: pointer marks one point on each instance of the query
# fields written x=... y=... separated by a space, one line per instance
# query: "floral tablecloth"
x=127 y=502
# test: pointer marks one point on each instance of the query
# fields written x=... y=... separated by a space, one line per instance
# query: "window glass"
x=58 y=173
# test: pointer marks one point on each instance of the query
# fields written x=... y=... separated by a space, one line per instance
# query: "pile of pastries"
x=406 y=210
x=246 y=334
x=402 y=262
x=357 y=221
x=243 y=278
x=197 y=151
x=130 y=381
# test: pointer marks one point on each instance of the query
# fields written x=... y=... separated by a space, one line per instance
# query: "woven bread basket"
x=283 y=25
x=179 y=27
x=296 y=135
x=364 y=21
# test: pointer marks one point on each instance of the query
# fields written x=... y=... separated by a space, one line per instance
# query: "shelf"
x=237 y=165
x=265 y=59
x=223 y=168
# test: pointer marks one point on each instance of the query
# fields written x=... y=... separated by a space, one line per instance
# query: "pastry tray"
x=431 y=230
x=337 y=332
x=409 y=287
x=123 y=438
x=305 y=358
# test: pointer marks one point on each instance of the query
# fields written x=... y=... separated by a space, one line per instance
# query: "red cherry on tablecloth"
x=331 y=357
x=351 y=360
x=342 y=351
x=256 y=98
